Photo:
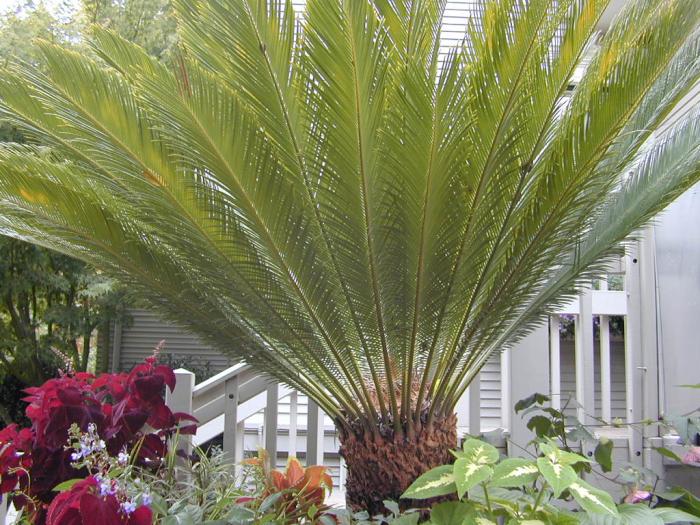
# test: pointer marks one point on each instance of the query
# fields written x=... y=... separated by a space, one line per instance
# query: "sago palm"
x=330 y=199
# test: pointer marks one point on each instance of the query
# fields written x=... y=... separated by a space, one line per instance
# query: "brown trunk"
x=383 y=468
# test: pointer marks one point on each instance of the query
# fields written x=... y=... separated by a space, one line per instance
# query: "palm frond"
x=336 y=202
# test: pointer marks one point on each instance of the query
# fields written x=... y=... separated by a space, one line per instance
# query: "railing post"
x=506 y=399
x=314 y=435
x=270 y=429
x=4 y=507
x=180 y=400
x=475 y=406
x=293 y=413
x=583 y=345
x=605 y=373
x=634 y=368
x=555 y=361
x=240 y=442
x=231 y=419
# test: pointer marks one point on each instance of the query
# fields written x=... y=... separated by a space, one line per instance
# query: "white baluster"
x=585 y=381
x=555 y=361
x=314 y=435
x=270 y=430
x=293 y=416
x=180 y=400
x=605 y=373
x=475 y=406
x=506 y=401
x=231 y=419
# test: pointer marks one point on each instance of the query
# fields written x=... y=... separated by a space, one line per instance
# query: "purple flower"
x=128 y=507
x=636 y=495
x=122 y=458
x=692 y=456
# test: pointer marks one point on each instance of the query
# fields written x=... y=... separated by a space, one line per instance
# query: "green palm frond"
x=336 y=202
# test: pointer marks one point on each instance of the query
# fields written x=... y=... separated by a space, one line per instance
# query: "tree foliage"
x=332 y=200
x=51 y=306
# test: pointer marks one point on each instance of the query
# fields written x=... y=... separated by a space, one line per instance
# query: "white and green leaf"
x=439 y=481
x=514 y=472
x=591 y=499
x=468 y=474
x=560 y=477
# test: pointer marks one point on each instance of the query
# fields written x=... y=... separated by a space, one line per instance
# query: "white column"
x=293 y=416
x=271 y=411
x=475 y=406
x=506 y=398
x=314 y=435
x=634 y=368
x=605 y=375
x=585 y=380
x=231 y=419
x=555 y=361
x=180 y=400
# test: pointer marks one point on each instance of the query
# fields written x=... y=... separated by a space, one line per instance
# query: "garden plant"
x=335 y=201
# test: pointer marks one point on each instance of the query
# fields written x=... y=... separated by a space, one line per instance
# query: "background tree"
x=50 y=300
x=328 y=201
x=148 y=23
x=51 y=307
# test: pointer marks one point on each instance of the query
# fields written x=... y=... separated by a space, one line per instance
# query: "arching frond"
x=336 y=201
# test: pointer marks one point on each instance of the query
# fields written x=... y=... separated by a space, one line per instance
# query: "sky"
x=52 y=5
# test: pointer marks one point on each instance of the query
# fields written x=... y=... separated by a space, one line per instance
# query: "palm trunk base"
x=383 y=468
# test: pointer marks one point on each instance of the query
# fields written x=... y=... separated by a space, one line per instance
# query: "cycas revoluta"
x=330 y=201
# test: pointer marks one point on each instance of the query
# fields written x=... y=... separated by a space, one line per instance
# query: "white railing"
x=224 y=403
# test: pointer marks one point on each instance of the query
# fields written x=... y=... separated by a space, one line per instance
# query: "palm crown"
x=335 y=202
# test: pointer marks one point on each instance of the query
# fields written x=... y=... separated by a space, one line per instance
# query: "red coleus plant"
x=14 y=462
x=127 y=410
x=299 y=489
x=84 y=505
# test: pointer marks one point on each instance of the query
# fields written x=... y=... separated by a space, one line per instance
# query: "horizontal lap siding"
x=146 y=330
x=491 y=394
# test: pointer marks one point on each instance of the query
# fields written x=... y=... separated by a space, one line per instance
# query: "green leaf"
x=436 y=482
x=560 y=477
x=540 y=425
x=452 y=513
x=591 y=499
x=603 y=454
x=536 y=398
x=580 y=433
x=514 y=472
x=671 y=515
x=556 y=455
x=668 y=453
x=468 y=474
x=66 y=485
x=392 y=507
x=480 y=452
x=270 y=501
x=406 y=519
x=240 y=515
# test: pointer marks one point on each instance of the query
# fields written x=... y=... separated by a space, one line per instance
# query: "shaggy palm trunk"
x=381 y=468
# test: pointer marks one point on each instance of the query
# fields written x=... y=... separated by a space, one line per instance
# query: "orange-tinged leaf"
x=295 y=471
x=279 y=480
x=317 y=476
